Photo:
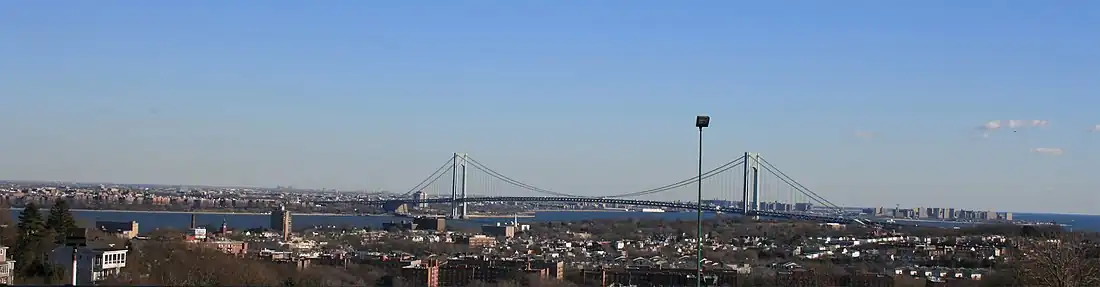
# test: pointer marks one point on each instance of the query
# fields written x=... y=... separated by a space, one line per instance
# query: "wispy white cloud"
x=994 y=125
x=1013 y=124
x=1048 y=150
x=1095 y=128
x=991 y=125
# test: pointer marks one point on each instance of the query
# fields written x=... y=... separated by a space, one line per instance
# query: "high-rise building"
x=281 y=221
x=421 y=195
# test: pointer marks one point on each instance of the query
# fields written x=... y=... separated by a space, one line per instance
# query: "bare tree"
x=906 y=281
x=1063 y=260
x=807 y=278
x=181 y=264
x=8 y=230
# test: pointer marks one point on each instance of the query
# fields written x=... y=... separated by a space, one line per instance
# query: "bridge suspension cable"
x=767 y=166
x=814 y=197
x=693 y=180
x=725 y=167
x=798 y=189
x=438 y=173
x=796 y=185
x=479 y=166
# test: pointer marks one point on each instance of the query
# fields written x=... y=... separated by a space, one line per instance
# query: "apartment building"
x=478 y=240
x=281 y=220
x=433 y=273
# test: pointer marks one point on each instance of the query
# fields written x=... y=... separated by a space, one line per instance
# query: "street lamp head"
x=702 y=121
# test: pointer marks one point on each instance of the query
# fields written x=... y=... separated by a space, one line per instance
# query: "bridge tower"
x=454 y=186
x=750 y=199
x=458 y=185
x=465 y=158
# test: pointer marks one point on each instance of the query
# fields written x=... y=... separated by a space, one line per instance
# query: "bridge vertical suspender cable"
x=713 y=172
x=795 y=182
x=798 y=186
x=768 y=166
x=811 y=196
x=479 y=166
x=431 y=178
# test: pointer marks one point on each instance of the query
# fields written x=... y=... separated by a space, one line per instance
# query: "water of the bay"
x=157 y=220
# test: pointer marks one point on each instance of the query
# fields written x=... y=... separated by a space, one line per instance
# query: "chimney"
x=193 y=221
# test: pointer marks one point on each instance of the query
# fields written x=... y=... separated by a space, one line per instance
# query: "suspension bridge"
x=748 y=185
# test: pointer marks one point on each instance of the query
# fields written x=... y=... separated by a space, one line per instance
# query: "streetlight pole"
x=701 y=122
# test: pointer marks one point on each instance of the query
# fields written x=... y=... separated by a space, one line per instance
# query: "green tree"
x=30 y=222
x=32 y=248
x=60 y=219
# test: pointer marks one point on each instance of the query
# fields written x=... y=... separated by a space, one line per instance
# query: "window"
x=114 y=258
x=110 y=259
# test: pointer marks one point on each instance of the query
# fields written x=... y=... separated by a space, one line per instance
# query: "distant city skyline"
x=869 y=104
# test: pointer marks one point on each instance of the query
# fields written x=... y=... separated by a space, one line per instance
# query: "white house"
x=7 y=267
x=93 y=263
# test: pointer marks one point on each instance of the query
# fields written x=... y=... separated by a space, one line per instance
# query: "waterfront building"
x=281 y=221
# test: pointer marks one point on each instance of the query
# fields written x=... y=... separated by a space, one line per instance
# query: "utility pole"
x=701 y=122
x=73 y=278
x=75 y=238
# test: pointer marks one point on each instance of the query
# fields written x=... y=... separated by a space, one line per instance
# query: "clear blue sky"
x=587 y=97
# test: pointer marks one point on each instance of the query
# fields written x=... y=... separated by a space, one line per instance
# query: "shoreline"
x=500 y=216
x=524 y=214
x=581 y=210
x=193 y=212
x=207 y=212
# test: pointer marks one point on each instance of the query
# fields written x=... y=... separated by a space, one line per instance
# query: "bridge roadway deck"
x=653 y=203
